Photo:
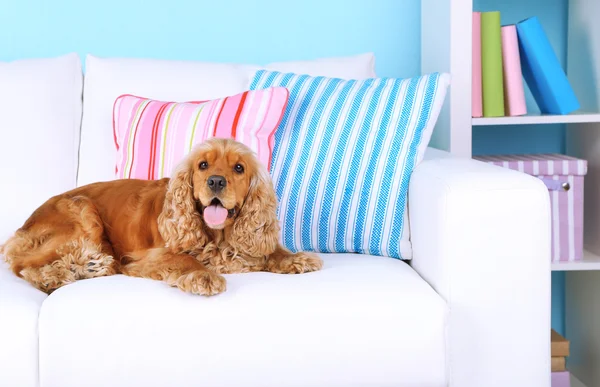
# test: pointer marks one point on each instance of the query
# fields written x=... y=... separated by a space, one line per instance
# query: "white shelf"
x=578 y=117
x=446 y=45
x=590 y=261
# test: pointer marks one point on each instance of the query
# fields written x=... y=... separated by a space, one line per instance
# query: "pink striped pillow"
x=153 y=136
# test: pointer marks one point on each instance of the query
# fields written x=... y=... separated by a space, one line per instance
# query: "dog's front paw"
x=202 y=282
x=297 y=264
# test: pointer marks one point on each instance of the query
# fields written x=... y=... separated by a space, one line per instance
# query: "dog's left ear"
x=256 y=228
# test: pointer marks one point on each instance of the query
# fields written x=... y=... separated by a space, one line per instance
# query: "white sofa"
x=472 y=308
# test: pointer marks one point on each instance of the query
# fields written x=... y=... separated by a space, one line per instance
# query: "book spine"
x=477 y=107
x=514 y=94
x=491 y=65
x=560 y=349
x=559 y=346
x=557 y=364
x=542 y=70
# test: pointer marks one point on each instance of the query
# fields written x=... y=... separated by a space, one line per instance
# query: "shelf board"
x=529 y=119
x=590 y=261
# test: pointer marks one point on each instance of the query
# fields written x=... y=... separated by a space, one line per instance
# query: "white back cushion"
x=40 y=105
x=108 y=78
x=360 y=66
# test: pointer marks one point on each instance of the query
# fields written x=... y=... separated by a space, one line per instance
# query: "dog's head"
x=221 y=185
x=223 y=172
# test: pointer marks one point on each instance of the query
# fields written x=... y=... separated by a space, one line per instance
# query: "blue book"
x=542 y=70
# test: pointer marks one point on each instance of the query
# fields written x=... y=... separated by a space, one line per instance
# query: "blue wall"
x=261 y=31
x=256 y=31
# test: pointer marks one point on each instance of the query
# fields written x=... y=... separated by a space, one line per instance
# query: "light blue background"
x=261 y=31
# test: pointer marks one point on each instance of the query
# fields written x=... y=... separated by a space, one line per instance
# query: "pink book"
x=477 y=105
x=514 y=94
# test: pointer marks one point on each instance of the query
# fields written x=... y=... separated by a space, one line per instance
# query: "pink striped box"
x=563 y=175
x=561 y=379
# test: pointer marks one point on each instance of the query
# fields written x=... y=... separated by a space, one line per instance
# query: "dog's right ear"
x=179 y=223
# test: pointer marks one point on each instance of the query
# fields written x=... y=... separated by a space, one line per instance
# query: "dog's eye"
x=203 y=165
x=239 y=168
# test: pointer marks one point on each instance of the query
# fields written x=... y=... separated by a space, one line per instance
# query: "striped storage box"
x=563 y=175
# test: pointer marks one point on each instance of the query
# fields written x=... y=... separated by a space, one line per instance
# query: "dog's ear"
x=179 y=223
x=256 y=229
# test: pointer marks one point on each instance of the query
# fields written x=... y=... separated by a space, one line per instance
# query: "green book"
x=492 y=81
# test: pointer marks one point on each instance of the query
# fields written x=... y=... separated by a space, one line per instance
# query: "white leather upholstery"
x=167 y=80
x=481 y=238
x=40 y=105
x=472 y=311
x=361 y=321
x=20 y=305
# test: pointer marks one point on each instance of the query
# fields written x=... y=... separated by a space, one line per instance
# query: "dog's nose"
x=216 y=183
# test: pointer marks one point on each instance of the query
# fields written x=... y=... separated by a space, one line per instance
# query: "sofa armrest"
x=20 y=305
x=481 y=238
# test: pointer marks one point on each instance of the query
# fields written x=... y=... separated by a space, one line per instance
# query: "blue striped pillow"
x=343 y=155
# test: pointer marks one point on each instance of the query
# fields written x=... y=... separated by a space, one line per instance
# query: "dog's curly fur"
x=155 y=229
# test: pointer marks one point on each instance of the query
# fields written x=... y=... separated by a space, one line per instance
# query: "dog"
x=215 y=215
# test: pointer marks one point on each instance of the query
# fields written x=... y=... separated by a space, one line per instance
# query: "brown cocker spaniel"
x=217 y=214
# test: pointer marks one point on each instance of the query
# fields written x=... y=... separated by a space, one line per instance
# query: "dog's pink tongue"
x=215 y=215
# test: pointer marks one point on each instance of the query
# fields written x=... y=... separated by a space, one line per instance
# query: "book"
x=477 y=107
x=514 y=94
x=558 y=363
x=559 y=345
x=491 y=65
x=542 y=70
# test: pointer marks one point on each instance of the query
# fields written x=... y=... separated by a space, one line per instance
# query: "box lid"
x=541 y=164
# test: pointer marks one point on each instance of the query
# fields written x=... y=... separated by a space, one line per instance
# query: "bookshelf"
x=446 y=45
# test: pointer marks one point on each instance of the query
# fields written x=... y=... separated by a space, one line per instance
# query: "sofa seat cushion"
x=362 y=320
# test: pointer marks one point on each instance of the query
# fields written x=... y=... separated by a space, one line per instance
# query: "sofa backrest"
x=108 y=78
x=40 y=101
x=57 y=132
